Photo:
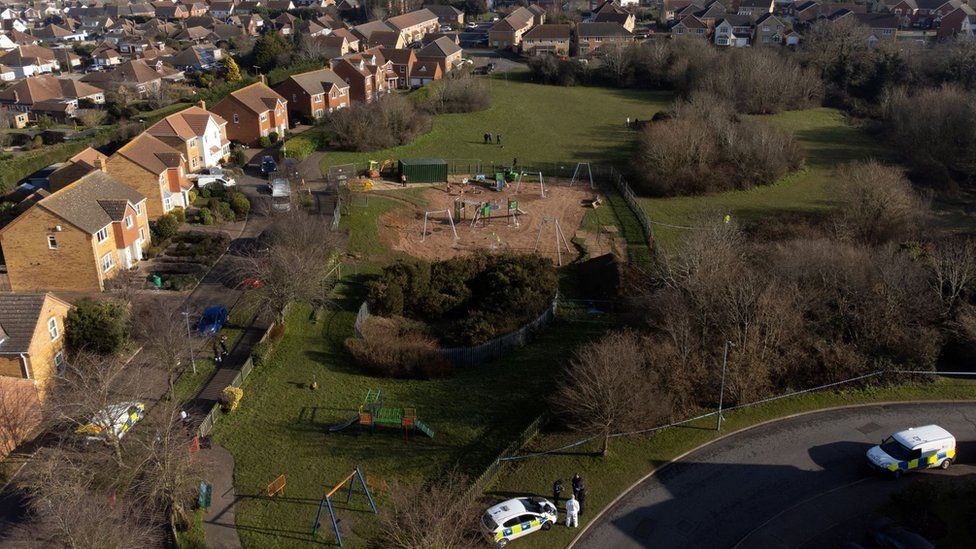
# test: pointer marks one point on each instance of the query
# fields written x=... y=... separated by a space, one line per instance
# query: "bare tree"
x=296 y=266
x=877 y=204
x=91 y=117
x=440 y=516
x=92 y=392
x=161 y=330
x=953 y=269
x=608 y=386
x=20 y=412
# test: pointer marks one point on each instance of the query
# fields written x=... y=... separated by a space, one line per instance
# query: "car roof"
x=920 y=435
x=507 y=509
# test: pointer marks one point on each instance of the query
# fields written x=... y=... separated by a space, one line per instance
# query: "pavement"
x=800 y=482
x=219 y=526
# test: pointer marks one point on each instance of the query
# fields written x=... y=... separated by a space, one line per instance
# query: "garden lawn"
x=631 y=458
x=281 y=424
x=537 y=123
x=827 y=139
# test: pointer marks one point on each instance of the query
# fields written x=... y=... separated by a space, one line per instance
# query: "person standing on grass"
x=557 y=488
x=577 y=482
x=487 y=137
x=581 y=497
x=403 y=180
x=572 y=512
x=498 y=139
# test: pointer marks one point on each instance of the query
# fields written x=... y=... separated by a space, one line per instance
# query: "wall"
x=32 y=266
x=42 y=349
x=140 y=179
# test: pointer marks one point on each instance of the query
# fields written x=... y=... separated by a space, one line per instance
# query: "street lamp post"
x=189 y=342
x=721 y=393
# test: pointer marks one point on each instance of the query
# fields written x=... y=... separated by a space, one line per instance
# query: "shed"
x=424 y=170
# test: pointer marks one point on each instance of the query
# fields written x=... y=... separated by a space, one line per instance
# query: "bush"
x=179 y=213
x=877 y=204
x=300 y=147
x=165 y=227
x=389 y=121
x=237 y=158
x=230 y=398
x=206 y=192
x=703 y=147
x=240 y=204
x=273 y=137
x=97 y=326
x=548 y=69
x=398 y=348
x=455 y=95
x=179 y=282
x=205 y=216
x=225 y=212
x=261 y=351
x=264 y=142
x=466 y=301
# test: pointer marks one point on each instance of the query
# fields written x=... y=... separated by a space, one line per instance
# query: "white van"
x=916 y=448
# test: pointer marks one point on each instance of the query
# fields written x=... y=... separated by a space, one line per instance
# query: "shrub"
x=165 y=227
x=877 y=204
x=261 y=351
x=97 y=326
x=273 y=137
x=240 y=204
x=225 y=212
x=390 y=121
x=205 y=216
x=179 y=213
x=398 y=348
x=230 y=398
x=264 y=142
x=300 y=147
x=455 y=95
x=179 y=282
x=206 y=192
x=237 y=158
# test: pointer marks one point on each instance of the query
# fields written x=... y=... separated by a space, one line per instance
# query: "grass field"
x=827 y=140
x=537 y=123
x=633 y=457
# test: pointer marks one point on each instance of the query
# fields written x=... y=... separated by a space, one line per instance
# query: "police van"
x=516 y=518
x=916 y=448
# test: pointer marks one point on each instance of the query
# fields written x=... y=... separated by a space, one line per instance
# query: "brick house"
x=314 y=93
x=253 y=112
x=197 y=133
x=689 y=26
x=154 y=169
x=442 y=51
x=32 y=337
x=508 y=33
x=403 y=60
x=770 y=30
x=75 y=168
x=77 y=238
x=368 y=74
x=56 y=98
x=961 y=21
x=138 y=75
x=425 y=72
x=547 y=39
x=447 y=14
x=415 y=25
x=591 y=36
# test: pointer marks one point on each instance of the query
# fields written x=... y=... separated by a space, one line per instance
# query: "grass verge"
x=631 y=458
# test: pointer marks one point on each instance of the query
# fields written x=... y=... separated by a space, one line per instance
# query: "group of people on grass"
x=488 y=135
x=575 y=503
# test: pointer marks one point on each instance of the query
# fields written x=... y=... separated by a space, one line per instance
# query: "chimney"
x=99 y=163
x=202 y=104
x=16 y=97
x=264 y=80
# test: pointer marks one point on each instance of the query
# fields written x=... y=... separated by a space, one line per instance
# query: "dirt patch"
x=403 y=228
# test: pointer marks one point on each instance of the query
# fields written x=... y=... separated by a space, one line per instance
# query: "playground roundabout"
x=518 y=218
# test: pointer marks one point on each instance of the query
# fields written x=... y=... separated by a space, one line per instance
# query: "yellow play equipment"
x=376 y=167
x=361 y=185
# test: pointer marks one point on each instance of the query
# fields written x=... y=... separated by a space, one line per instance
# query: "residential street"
x=800 y=482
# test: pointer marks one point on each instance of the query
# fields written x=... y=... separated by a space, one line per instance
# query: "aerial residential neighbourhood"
x=415 y=274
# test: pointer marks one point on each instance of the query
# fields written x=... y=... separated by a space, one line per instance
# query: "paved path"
x=785 y=484
x=218 y=524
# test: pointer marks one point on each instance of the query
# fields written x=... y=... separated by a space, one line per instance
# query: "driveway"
x=799 y=482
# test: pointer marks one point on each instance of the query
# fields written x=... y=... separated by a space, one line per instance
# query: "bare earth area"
x=403 y=228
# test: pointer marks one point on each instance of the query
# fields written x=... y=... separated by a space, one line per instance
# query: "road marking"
x=797 y=505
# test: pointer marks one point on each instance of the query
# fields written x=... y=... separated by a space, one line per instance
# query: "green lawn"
x=632 y=458
x=827 y=140
x=537 y=124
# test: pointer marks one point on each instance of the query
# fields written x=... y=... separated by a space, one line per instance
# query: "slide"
x=343 y=425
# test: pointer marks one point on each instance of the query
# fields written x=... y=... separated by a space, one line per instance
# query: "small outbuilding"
x=424 y=170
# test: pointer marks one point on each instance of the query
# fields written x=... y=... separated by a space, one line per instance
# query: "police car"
x=916 y=448
x=516 y=518
x=118 y=418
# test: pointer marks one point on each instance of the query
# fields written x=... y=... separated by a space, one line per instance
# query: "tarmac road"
x=792 y=483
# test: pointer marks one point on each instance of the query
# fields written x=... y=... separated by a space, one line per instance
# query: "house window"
x=167 y=204
x=107 y=262
x=264 y=117
x=236 y=118
x=102 y=235
x=192 y=142
x=59 y=363
x=52 y=242
x=139 y=209
x=128 y=222
x=194 y=162
x=142 y=235
x=52 y=328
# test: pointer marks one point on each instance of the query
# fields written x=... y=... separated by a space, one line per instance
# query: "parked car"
x=471 y=25
x=916 y=448
x=886 y=535
x=517 y=517
x=268 y=165
x=118 y=418
x=280 y=195
x=204 y=180
x=212 y=320
x=445 y=28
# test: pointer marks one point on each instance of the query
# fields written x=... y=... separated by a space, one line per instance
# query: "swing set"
x=450 y=219
x=326 y=502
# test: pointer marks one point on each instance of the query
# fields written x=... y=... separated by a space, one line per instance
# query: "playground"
x=461 y=218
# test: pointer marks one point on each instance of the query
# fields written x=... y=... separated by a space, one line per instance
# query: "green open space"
x=631 y=458
x=537 y=124
x=827 y=139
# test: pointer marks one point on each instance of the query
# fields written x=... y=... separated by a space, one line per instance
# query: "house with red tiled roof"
x=50 y=96
x=403 y=60
x=551 y=38
x=415 y=24
x=507 y=33
x=312 y=94
x=154 y=169
x=368 y=74
x=197 y=133
x=75 y=168
x=253 y=112
x=30 y=60
x=141 y=76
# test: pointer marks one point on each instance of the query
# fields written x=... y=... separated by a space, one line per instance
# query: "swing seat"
x=594 y=202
